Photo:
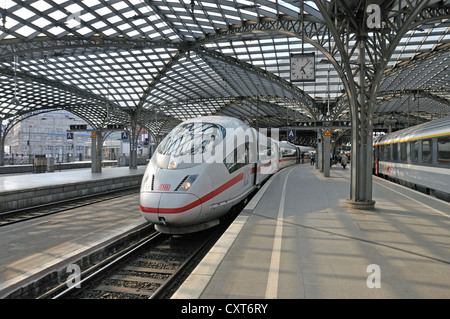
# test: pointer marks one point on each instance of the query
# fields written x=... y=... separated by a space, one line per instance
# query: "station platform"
x=28 y=168
x=298 y=239
x=25 y=190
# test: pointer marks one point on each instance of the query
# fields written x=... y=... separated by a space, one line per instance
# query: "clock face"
x=303 y=68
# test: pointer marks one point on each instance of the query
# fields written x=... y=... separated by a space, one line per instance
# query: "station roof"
x=168 y=60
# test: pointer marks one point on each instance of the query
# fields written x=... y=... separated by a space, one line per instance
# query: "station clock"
x=303 y=67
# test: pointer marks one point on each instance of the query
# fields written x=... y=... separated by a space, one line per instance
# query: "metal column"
x=96 y=152
x=346 y=22
x=319 y=154
x=361 y=168
x=2 y=145
x=326 y=155
x=133 y=136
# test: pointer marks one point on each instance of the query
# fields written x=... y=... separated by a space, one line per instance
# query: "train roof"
x=286 y=143
x=430 y=129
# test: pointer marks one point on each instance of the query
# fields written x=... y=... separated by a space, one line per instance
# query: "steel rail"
x=65 y=288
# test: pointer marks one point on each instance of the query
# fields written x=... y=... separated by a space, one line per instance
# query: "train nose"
x=170 y=208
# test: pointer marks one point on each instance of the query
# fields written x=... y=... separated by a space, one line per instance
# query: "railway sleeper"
x=124 y=290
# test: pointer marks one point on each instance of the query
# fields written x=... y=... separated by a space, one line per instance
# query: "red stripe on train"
x=197 y=202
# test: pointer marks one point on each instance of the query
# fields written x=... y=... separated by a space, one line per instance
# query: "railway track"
x=146 y=270
x=28 y=213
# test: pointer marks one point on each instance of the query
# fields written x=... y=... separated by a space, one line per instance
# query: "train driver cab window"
x=192 y=138
x=444 y=150
x=414 y=151
x=427 y=151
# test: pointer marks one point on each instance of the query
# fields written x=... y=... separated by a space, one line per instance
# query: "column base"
x=360 y=204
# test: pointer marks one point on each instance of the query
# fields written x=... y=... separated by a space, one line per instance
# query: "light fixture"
x=186 y=183
x=186 y=186
x=172 y=164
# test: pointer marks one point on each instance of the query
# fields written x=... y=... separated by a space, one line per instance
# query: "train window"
x=395 y=152
x=444 y=150
x=427 y=151
x=382 y=152
x=192 y=138
x=265 y=151
x=288 y=152
x=403 y=152
x=242 y=154
x=230 y=161
x=414 y=151
x=237 y=159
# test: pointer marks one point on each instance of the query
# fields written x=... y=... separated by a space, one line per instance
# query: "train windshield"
x=192 y=138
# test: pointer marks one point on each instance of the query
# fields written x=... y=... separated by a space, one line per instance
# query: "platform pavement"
x=298 y=239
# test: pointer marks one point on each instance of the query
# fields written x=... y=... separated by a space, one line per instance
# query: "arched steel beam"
x=264 y=102
x=428 y=93
x=19 y=117
x=313 y=29
x=313 y=32
x=11 y=47
x=88 y=96
x=52 y=83
x=379 y=45
x=283 y=84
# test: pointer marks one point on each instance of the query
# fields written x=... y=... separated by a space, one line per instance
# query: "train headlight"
x=186 y=186
x=186 y=183
x=172 y=164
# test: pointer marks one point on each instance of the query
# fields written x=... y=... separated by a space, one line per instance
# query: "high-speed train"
x=417 y=157
x=205 y=166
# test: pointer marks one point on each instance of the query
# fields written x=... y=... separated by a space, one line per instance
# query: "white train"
x=417 y=157
x=205 y=166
